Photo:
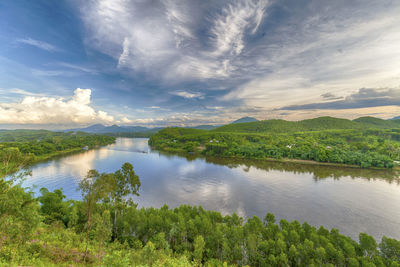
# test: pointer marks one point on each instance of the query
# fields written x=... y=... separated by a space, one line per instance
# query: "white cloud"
x=336 y=47
x=18 y=91
x=54 y=110
x=124 y=57
x=126 y=120
x=161 y=38
x=188 y=95
x=39 y=44
x=77 y=67
x=338 y=56
x=230 y=27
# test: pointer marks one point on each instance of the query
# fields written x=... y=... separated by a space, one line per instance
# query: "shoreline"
x=44 y=158
x=284 y=160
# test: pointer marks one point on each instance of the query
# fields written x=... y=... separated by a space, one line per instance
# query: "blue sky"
x=157 y=63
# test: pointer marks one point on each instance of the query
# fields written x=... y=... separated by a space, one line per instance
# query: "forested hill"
x=365 y=142
x=244 y=119
x=317 y=124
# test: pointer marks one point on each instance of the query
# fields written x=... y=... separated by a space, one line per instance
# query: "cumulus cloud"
x=39 y=44
x=54 y=110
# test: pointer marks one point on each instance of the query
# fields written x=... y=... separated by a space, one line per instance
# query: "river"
x=349 y=199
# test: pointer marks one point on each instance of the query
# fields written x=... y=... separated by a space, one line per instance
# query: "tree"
x=53 y=206
x=89 y=187
x=11 y=159
x=102 y=227
x=19 y=213
x=390 y=248
x=199 y=246
x=123 y=185
x=368 y=244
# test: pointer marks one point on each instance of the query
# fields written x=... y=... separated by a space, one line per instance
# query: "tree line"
x=362 y=147
x=32 y=146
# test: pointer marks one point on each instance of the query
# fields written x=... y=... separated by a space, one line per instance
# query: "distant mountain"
x=204 y=127
x=244 y=120
x=395 y=118
x=100 y=128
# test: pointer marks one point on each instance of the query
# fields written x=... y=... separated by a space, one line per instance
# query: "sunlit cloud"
x=54 y=110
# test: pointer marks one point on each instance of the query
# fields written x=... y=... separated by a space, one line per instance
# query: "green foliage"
x=282 y=126
x=52 y=206
x=54 y=233
x=19 y=218
x=362 y=147
x=317 y=124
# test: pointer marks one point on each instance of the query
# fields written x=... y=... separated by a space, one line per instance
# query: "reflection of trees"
x=318 y=171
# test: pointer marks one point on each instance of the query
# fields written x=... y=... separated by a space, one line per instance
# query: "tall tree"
x=124 y=184
x=91 y=193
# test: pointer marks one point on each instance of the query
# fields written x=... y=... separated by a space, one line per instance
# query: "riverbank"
x=182 y=152
x=362 y=148
x=14 y=160
x=64 y=153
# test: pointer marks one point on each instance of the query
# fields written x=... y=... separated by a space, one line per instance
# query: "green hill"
x=373 y=122
x=244 y=119
x=282 y=126
x=317 y=124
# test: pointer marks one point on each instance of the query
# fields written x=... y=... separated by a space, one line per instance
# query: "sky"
x=71 y=63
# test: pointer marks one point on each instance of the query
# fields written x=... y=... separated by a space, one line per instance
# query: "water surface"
x=351 y=200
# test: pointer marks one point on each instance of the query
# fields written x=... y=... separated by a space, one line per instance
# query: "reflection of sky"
x=352 y=205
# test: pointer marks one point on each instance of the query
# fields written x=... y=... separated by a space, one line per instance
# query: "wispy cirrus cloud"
x=255 y=57
x=39 y=44
x=162 y=38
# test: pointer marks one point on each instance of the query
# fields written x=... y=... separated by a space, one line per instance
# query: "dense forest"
x=324 y=139
x=107 y=229
x=20 y=148
x=317 y=124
